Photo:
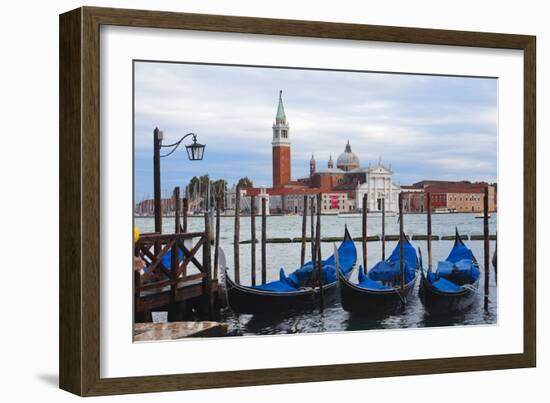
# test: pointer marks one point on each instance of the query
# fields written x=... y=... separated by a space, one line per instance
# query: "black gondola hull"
x=362 y=300
x=244 y=300
x=437 y=302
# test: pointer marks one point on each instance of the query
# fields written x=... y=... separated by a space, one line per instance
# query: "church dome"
x=347 y=161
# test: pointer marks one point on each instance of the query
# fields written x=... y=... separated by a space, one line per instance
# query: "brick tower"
x=281 y=147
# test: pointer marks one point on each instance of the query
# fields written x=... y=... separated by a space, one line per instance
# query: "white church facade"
x=381 y=191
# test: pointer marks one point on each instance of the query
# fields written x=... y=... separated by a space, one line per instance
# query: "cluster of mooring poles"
x=313 y=205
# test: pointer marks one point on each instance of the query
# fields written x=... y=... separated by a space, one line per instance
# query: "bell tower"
x=312 y=165
x=281 y=146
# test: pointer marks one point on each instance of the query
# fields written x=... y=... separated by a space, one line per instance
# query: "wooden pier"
x=173 y=288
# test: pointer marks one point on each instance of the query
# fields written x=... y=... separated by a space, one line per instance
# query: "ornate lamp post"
x=195 y=152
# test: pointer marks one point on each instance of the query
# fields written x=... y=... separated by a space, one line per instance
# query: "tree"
x=245 y=183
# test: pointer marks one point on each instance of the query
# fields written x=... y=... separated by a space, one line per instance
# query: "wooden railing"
x=159 y=279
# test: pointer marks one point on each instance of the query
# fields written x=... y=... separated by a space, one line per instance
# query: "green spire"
x=281 y=117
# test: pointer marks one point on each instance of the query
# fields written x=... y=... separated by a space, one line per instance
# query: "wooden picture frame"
x=79 y=200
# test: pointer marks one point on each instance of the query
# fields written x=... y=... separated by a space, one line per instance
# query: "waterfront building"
x=379 y=187
x=448 y=196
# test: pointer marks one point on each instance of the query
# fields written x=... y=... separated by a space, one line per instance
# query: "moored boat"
x=379 y=289
x=453 y=286
x=297 y=291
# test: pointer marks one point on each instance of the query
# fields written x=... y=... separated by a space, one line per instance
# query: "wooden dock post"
x=383 y=229
x=264 y=239
x=206 y=264
x=486 y=244
x=236 y=235
x=173 y=313
x=184 y=214
x=217 y=236
x=364 y=238
x=304 y=230
x=184 y=229
x=253 y=240
x=319 y=255
x=313 y=247
x=401 y=248
x=177 y=209
x=429 y=213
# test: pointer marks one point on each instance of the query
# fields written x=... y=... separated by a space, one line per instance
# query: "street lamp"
x=195 y=152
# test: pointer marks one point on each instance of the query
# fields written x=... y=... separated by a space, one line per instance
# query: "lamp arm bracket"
x=176 y=144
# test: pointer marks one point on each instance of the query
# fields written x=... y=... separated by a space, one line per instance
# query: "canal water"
x=334 y=318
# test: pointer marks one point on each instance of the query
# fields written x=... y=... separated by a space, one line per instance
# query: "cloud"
x=426 y=126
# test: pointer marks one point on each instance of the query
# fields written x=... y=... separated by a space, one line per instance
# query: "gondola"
x=379 y=290
x=297 y=291
x=453 y=286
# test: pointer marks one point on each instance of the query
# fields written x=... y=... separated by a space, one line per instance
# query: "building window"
x=284 y=133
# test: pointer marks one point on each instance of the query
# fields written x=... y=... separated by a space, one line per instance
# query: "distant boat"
x=482 y=216
x=443 y=210
x=350 y=215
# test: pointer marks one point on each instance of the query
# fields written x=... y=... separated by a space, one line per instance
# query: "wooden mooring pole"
x=217 y=236
x=401 y=249
x=264 y=240
x=184 y=228
x=253 y=240
x=184 y=214
x=173 y=312
x=304 y=230
x=206 y=264
x=429 y=214
x=177 y=207
x=236 y=256
x=486 y=244
x=319 y=255
x=383 y=229
x=313 y=247
x=364 y=238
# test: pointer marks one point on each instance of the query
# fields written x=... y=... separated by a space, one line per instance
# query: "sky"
x=425 y=127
